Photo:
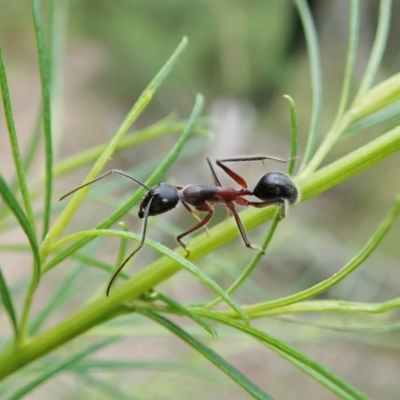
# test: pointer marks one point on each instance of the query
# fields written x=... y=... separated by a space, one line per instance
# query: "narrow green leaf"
x=378 y=48
x=14 y=144
x=342 y=119
x=382 y=95
x=122 y=247
x=45 y=83
x=163 y=366
x=382 y=115
x=151 y=181
x=58 y=26
x=60 y=366
x=101 y=265
x=61 y=223
x=16 y=209
x=316 y=78
x=250 y=387
x=61 y=294
x=185 y=311
x=8 y=303
x=325 y=377
x=318 y=372
x=349 y=324
x=181 y=261
x=294 y=134
x=159 y=129
x=255 y=260
x=349 y=268
x=105 y=389
x=354 y=28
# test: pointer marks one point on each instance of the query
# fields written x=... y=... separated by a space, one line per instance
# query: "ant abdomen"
x=276 y=186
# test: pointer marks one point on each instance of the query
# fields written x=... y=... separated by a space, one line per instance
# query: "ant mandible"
x=272 y=188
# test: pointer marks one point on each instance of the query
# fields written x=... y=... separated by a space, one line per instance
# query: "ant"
x=272 y=188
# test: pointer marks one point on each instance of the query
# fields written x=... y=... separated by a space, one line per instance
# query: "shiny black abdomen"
x=276 y=186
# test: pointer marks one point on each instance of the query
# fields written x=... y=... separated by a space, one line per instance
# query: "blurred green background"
x=243 y=56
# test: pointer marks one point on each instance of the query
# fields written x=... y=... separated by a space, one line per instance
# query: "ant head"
x=163 y=198
x=276 y=186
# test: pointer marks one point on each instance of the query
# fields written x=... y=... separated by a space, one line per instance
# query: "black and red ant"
x=272 y=188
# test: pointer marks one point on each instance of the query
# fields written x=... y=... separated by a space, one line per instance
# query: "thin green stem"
x=341 y=121
x=66 y=216
x=315 y=306
x=254 y=261
x=278 y=213
x=294 y=134
x=25 y=312
x=378 y=48
x=151 y=181
x=122 y=247
x=326 y=146
x=12 y=133
x=262 y=308
x=152 y=132
x=44 y=69
x=354 y=28
x=316 y=78
x=63 y=220
x=321 y=374
x=97 y=312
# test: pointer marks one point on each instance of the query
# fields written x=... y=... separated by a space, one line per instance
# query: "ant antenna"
x=113 y=171
x=146 y=215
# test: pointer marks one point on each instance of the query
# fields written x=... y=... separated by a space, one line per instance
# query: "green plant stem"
x=44 y=68
x=262 y=308
x=326 y=146
x=313 y=306
x=66 y=216
x=343 y=121
x=12 y=133
x=25 y=312
x=294 y=134
x=87 y=156
x=95 y=313
x=354 y=28
x=70 y=210
x=316 y=77
x=151 y=181
x=378 y=48
x=321 y=374
x=254 y=261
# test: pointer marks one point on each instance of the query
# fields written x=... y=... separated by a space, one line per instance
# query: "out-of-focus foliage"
x=238 y=48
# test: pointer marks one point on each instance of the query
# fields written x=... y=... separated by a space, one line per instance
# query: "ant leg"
x=256 y=158
x=214 y=174
x=261 y=204
x=193 y=229
x=241 y=229
x=194 y=215
x=237 y=178
x=216 y=181
x=113 y=171
x=144 y=229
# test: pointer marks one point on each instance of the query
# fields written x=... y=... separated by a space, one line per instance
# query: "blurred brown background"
x=243 y=56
